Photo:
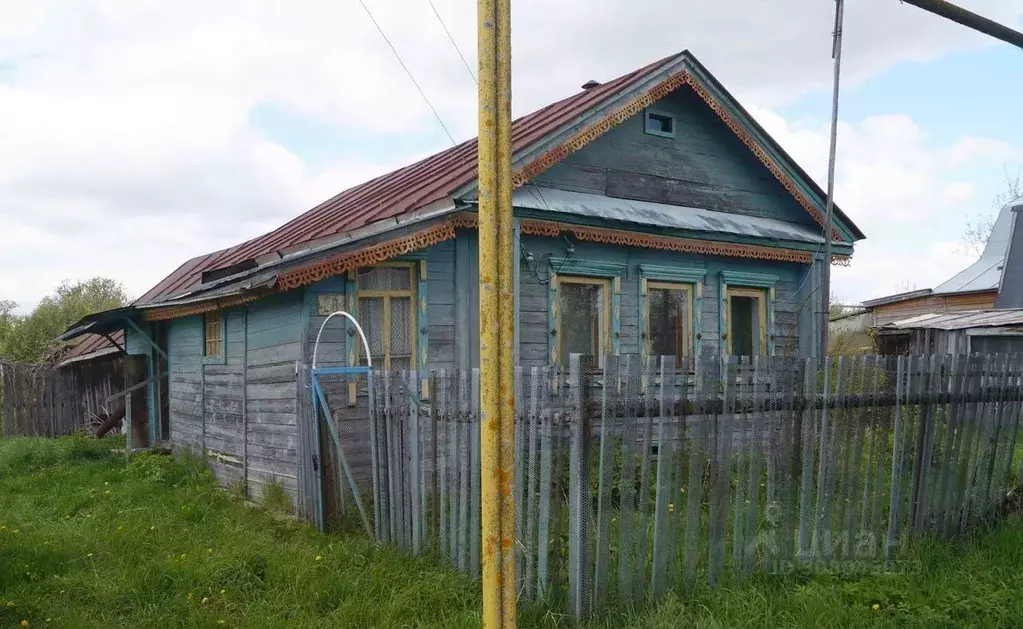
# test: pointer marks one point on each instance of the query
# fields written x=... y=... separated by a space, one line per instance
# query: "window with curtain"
x=386 y=298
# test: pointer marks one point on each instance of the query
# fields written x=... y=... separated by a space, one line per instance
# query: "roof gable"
x=540 y=140
x=700 y=164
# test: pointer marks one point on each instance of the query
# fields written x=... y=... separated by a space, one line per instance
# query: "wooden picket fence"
x=633 y=478
x=41 y=400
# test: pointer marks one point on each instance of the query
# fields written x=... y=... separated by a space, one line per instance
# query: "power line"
x=453 y=43
x=409 y=72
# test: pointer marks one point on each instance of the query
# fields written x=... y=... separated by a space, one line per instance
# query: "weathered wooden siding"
x=240 y=411
x=184 y=353
x=935 y=304
x=705 y=165
x=534 y=335
x=223 y=403
x=273 y=349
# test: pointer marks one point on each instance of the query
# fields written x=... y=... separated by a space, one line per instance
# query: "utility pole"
x=497 y=316
x=829 y=220
x=969 y=19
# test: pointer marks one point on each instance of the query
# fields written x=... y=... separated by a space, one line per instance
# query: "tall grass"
x=88 y=540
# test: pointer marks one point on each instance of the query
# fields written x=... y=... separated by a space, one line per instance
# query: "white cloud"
x=910 y=198
x=128 y=147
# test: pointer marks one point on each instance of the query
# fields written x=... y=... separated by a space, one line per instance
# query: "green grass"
x=87 y=540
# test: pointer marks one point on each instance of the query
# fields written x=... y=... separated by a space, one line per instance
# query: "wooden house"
x=653 y=214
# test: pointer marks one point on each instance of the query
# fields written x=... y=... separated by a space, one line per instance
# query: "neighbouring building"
x=981 y=286
x=970 y=332
x=654 y=216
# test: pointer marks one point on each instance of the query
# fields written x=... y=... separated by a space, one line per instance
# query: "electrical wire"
x=408 y=72
x=520 y=162
x=453 y=43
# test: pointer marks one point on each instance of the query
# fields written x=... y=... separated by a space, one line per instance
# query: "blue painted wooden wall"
x=705 y=165
x=535 y=337
x=242 y=410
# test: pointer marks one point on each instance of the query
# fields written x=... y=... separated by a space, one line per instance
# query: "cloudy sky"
x=137 y=133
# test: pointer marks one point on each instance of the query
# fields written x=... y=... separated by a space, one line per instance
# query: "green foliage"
x=30 y=338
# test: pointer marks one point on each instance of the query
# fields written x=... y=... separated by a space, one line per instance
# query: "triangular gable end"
x=686 y=71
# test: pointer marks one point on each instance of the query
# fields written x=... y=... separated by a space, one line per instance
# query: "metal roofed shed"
x=972 y=332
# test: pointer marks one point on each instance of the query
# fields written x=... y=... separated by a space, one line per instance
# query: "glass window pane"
x=582 y=324
x=371 y=318
x=744 y=325
x=669 y=325
x=401 y=332
x=385 y=278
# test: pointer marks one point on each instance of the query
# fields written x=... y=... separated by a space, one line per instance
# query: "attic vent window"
x=660 y=124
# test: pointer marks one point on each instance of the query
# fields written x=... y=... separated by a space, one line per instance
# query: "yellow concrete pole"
x=497 y=317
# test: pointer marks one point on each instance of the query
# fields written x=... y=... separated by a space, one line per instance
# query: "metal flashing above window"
x=659 y=123
x=591 y=268
x=680 y=274
x=744 y=278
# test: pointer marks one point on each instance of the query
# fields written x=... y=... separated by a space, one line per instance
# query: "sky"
x=135 y=134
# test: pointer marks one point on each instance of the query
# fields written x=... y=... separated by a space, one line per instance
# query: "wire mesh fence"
x=637 y=477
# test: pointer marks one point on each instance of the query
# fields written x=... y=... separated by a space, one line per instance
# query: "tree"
x=31 y=338
x=978 y=229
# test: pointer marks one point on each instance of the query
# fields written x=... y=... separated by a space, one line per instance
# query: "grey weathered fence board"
x=635 y=477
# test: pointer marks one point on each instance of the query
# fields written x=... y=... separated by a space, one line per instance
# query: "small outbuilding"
x=972 y=332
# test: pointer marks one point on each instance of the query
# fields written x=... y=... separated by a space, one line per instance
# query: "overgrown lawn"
x=89 y=540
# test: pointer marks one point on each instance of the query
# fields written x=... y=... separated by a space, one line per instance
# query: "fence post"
x=579 y=490
x=7 y=389
x=127 y=425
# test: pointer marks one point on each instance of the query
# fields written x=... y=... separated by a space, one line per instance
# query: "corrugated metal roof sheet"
x=662 y=215
x=960 y=320
x=90 y=343
x=986 y=273
x=424 y=182
x=436 y=179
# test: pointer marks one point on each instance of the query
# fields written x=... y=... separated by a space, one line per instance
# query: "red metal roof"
x=89 y=343
x=427 y=181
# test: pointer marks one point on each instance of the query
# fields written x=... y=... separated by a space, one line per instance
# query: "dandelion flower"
x=209 y=551
x=205 y=600
x=189 y=596
x=319 y=557
x=875 y=607
x=24 y=623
